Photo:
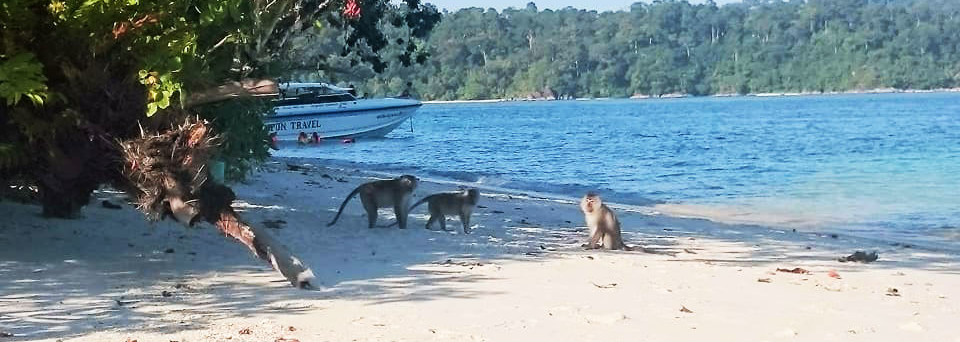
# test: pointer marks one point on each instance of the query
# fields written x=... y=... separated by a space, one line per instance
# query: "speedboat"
x=314 y=111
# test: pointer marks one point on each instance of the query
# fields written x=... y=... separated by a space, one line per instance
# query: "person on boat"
x=315 y=139
x=353 y=90
x=406 y=90
x=272 y=141
x=302 y=139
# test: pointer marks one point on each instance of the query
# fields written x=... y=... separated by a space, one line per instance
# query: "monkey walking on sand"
x=450 y=203
x=603 y=224
x=384 y=194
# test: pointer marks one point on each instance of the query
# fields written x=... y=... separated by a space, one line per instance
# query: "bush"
x=244 y=140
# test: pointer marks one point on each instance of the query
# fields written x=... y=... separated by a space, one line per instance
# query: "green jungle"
x=675 y=47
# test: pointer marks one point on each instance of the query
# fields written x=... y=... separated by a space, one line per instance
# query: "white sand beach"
x=520 y=276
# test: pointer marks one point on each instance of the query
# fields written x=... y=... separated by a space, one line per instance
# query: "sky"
x=599 y=5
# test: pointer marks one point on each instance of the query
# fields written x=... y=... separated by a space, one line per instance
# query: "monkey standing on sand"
x=603 y=224
x=384 y=194
x=449 y=203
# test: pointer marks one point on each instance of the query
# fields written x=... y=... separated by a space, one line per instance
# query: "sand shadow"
x=112 y=270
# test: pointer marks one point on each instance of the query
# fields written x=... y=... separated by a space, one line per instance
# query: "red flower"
x=351 y=9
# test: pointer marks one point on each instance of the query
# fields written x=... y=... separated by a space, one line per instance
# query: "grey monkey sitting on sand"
x=603 y=224
x=383 y=194
x=450 y=203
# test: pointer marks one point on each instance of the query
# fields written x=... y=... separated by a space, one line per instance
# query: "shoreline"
x=716 y=95
x=724 y=214
x=520 y=275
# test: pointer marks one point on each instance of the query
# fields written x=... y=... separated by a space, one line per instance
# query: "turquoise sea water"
x=885 y=166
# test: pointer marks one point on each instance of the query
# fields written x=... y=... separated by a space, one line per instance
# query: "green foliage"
x=244 y=141
x=22 y=76
x=670 y=46
x=12 y=155
x=160 y=89
x=96 y=71
x=388 y=36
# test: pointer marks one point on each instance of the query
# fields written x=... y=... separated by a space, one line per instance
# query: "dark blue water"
x=883 y=165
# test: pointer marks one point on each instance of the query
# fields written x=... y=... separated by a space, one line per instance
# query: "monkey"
x=603 y=224
x=449 y=203
x=383 y=194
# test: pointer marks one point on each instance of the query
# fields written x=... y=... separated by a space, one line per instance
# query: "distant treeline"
x=677 y=47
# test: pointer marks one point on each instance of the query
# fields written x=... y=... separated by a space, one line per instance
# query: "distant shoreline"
x=469 y=101
x=679 y=95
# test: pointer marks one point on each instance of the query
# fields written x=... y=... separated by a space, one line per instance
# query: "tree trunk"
x=168 y=174
x=62 y=203
x=265 y=247
x=231 y=90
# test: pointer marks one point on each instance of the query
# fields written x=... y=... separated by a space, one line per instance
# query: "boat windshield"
x=311 y=95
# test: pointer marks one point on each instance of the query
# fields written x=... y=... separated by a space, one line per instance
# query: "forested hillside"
x=677 y=47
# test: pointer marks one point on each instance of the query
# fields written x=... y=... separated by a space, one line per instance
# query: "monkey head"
x=473 y=195
x=409 y=181
x=590 y=202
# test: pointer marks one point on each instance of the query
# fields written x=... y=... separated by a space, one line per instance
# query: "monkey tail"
x=411 y=209
x=344 y=204
x=625 y=247
x=420 y=202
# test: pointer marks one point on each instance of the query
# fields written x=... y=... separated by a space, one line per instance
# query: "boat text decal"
x=294 y=125
x=381 y=116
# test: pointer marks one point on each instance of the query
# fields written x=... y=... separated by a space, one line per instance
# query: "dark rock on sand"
x=860 y=256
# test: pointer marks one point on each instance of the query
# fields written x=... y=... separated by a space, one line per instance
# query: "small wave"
x=458 y=175
x=950 y=234
x=577 y=190
x=678 y=174
x=865 y=139
x=381 y=167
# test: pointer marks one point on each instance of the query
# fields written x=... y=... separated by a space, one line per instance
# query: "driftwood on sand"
x=168 y=174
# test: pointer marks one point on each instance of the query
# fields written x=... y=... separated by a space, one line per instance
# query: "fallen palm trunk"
x=168 y=174
x=265 y=247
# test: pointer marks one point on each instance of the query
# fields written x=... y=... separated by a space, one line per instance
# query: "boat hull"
x=354 y=119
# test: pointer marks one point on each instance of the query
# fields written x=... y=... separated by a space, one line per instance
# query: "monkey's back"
x=385 y=192
x=609 y=218
x=611 y=237
x=447 y=203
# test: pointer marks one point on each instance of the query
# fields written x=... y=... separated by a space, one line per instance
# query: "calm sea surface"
x=885 y=166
